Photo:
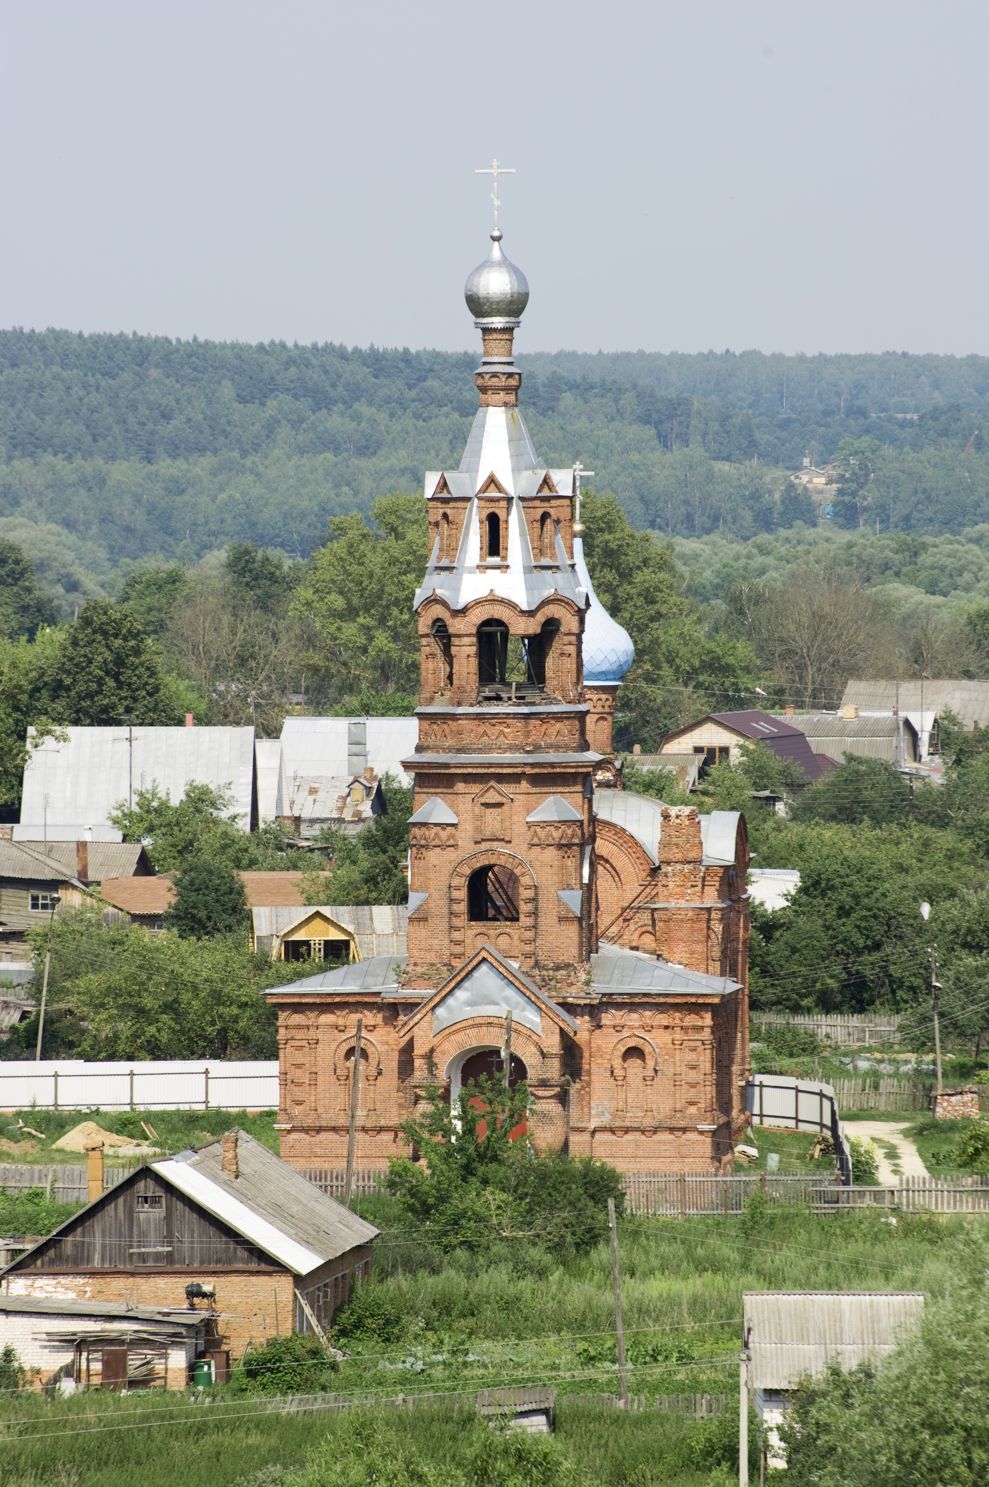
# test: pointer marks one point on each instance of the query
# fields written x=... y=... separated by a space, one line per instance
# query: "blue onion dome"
x=496 y=290
x=608 y=648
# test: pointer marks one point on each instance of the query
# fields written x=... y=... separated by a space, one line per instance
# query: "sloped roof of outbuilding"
x=801 y=1332
x=56 y=861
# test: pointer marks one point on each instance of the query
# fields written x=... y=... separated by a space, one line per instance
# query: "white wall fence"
x=72 y=1084
x=844 y=1029
x=799 y=1105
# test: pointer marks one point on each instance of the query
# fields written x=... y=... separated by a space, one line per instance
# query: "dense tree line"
x=120 y=448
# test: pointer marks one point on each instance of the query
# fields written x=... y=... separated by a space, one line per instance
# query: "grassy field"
x=793 y=1148
x=432 y=1322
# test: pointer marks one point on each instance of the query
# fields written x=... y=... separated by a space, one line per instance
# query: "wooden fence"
x=66 y=1183
x=844 y=1029
x=518 y=1399
x=885 y=1092
x=910 y=1195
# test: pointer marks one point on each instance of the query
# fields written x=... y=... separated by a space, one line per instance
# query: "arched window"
x=493 y=896
x=492 y=652
x=547 y=535
x=445 y=554
x=492 y=528
x=634 y=1069
x=441 y=636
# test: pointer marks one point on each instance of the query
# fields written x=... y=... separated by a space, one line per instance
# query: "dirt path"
x=908 y=1158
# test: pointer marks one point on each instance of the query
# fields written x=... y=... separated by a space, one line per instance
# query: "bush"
x=295 y=1364
x=865 y=1165
x=12 y=1372
x=973 y=1148
x=373 y=1313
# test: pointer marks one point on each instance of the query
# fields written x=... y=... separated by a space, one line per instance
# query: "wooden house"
x=228 y=1227
x=36 y=876
x=330 y=933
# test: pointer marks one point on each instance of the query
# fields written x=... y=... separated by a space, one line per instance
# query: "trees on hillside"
x=107 y=671
x=24 y=605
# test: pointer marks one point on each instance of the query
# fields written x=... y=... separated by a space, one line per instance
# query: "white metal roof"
x=92 y=771
x=267 y=761
x=794 y=1333
x=642 y=818
x=314 y=748
x=238 y=1215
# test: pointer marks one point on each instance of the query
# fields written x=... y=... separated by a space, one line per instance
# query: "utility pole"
x=936 y=1006
x=44 y=981
x=616 y=1281
x=506 y=1062
x=925 y=914
x=355 y=1086
x=744 y=1359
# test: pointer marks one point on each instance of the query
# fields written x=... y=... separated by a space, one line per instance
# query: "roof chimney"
x=229 y=1162
x=790 y=710
x=82 y=861
x=190 y=720
x=850 y=713
x=94 y=1171
x=636 y=749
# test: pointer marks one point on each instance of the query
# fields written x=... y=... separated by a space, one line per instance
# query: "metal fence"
x=799 y=1105
x=844 y=1029
x=71 y=1084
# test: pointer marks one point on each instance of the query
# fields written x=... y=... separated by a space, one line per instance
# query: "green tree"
x=25 y=669
x=919 y=1416
x=679 y=669
x=201 y=824
x=858 y=790
x=261 y=578
x=209 y=900
x=368 y=868
x=117 y=991
x=356 y=596
x=108 y=670
x=152 y=593
x=24 y=606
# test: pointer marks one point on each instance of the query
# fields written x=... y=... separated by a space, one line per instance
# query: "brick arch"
x=521 y=935
x=520 y=621
x=643 y=1044
x=487 y=1032
x=346 y=1045
x=624 y=871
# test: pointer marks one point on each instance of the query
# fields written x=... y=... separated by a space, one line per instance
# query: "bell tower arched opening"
x=493 y=896
x=492 y=532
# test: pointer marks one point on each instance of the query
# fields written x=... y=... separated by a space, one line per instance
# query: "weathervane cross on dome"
x=579 y=474
x=495 y=170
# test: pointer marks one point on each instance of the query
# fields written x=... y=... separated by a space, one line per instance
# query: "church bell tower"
x=501 y=846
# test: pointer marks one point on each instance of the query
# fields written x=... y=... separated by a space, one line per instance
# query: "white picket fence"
x=72 y=1084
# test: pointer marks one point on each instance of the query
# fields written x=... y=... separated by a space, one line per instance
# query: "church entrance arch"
x=479 y=1063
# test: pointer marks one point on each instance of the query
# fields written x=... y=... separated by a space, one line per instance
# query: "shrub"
x=295 y=1364
x=973 y=1148
x=12 y=1372
x=865 y=1165
x=373 y=1312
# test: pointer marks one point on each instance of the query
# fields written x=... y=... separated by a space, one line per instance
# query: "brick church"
x=613 y=929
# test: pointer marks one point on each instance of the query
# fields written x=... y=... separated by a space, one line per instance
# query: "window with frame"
x=42 y=903
x=143 y=1202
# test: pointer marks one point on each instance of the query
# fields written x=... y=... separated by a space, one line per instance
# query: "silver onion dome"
x=496 y=290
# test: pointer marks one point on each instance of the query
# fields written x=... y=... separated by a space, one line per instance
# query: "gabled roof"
x=642 y=817
x=488 y=985
x=380 y=929
x=554 y=808
x=801 y=1332
x=269 y=1204
x=786 y=740
x=316 y=748
x=56 y=861
x=89 y=772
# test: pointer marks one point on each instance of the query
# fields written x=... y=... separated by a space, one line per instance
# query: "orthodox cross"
x=579 y=474
x=495 y=170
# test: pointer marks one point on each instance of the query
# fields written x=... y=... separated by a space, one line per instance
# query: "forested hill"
x=118 y=447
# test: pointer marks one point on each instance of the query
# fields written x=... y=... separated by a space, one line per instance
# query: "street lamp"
x=44 y=979
x=925 y=914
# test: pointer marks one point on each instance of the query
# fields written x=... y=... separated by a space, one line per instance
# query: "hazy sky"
x=789 y=176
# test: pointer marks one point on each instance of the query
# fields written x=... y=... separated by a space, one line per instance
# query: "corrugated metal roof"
x=269 y=1204
x=380 y=929
x=832 y=725
x=969 y=700
x=68 y=1306
x=316 y=748
x=615 y=969
x=88 y=775
x=267 y=764
x=801 y=1332
x=56 y=861
x=376 y=974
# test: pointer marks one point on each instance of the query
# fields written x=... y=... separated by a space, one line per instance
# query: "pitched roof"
x=868 y=736
x=155 y=895
x=70 y=1306
x=380 y=929
x=268 y=1203
x=781 y=735
x=801 y=1332
x=56 y=861
x=616 y=970
x=642 y=817
x=88 y=773
x=969 y=700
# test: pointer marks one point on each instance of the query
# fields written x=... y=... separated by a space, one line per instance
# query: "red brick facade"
x=517 y=870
